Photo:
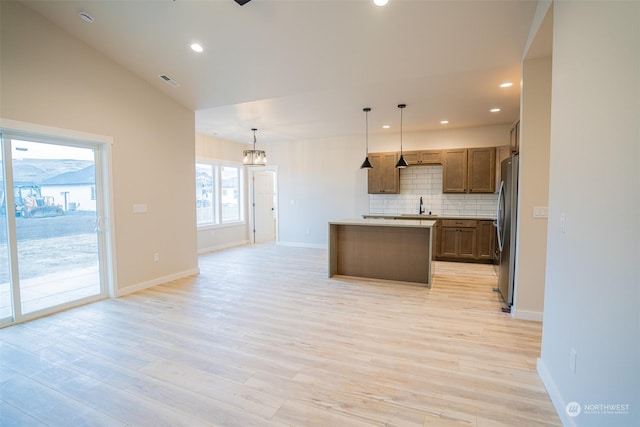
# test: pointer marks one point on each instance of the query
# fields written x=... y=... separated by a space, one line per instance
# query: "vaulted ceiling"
x=303 y=69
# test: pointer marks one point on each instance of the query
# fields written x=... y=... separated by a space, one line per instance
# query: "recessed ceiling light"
x=197 y=47
x=495 y=110
x=444 y=122
x=380 y=2
x=506 y=84
x=85 y=16
x=385 y=126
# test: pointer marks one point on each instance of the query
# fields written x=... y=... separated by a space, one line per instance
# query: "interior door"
x=264 y=219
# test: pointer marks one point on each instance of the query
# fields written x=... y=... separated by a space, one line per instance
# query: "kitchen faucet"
x=420 y=208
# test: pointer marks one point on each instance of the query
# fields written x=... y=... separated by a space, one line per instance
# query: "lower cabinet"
x=464 y=240
x=458 y=239
x=486 y=240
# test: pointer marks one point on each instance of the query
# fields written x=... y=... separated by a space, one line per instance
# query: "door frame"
x=251 y=199
x=105 y=212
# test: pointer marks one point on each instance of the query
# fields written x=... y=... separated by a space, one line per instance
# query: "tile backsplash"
x=426 y=182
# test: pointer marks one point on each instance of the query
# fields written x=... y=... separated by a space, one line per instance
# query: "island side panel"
x=389 y=253
x=333 y=253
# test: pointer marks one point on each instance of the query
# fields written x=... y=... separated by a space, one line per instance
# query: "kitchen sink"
x=421 y=216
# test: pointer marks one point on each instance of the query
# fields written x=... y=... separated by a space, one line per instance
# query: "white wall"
x=533 y=188
x=592 y=292
x=50 y=78
x=483 y=136
x=321 y=180
x=318 y=181
x=222 y=236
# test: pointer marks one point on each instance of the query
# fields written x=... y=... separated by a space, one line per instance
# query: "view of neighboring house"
x=73 y=190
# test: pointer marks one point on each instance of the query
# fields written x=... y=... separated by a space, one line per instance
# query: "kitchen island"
x=381 y=249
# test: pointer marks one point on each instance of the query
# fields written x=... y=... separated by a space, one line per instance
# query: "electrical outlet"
x=140 y=208
x=572 y=360
x=156 y=256
x=563 y=222
x=540 y=212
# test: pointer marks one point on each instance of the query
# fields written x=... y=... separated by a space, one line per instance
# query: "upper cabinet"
x=482 y=170
x=514 y=138
x=384 y=177
x=469 y=170
x=502 y=153
x=424 y=157
x=454 y=171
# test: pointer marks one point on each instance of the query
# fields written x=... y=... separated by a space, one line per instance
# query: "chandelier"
x=254 y=157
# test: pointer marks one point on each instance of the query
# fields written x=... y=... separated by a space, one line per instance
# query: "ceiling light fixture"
x=506 y=84
x=254 y=157
x=495 y=110
x=444 y=122
x=385 y=126
x=380 y=2
x=402 y=163
x=366 y=164
x=197 y=47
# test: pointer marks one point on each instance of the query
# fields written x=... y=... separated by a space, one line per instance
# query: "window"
x=230 y=193
x=218 y=193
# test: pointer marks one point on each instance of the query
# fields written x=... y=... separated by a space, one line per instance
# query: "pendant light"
x=254 y=157
x=366 y=164
x=402 y=163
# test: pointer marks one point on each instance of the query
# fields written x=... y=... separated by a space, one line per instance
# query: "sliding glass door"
x=51 y=243
x=6 y=296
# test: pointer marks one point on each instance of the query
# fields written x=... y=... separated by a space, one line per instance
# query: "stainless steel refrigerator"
x=506 y=223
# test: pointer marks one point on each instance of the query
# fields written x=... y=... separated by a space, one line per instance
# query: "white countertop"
x=379 y=222
x=405 y=217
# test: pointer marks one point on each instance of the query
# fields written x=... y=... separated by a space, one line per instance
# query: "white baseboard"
x=157 y=281
x=222 y=247
x=303 y=245
x=527 y=315
x=554 y=394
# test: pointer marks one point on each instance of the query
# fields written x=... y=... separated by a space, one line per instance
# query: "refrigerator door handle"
x=499 y=217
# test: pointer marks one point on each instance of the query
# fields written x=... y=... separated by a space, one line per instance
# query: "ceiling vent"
x=169 y=80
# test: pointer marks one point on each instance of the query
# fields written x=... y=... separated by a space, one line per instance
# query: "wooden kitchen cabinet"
x=486 y=238
x=501 y=153
x=435 y=250
x=454 y=171
x=464 y=240
x=384 y=177
x=424 y=157
x=458 y=239
x=471 y=170
x=482 y=170
x=514 y=138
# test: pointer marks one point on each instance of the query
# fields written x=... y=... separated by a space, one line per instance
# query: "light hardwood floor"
x=263 y=338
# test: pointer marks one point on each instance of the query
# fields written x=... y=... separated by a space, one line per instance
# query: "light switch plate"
x=540 y=212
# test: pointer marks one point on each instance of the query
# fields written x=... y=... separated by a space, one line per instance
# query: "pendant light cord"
x=402 y=163
x=401 y=107
x=366 y=120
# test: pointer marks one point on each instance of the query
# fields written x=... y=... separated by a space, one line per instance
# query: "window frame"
x=216 y=195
